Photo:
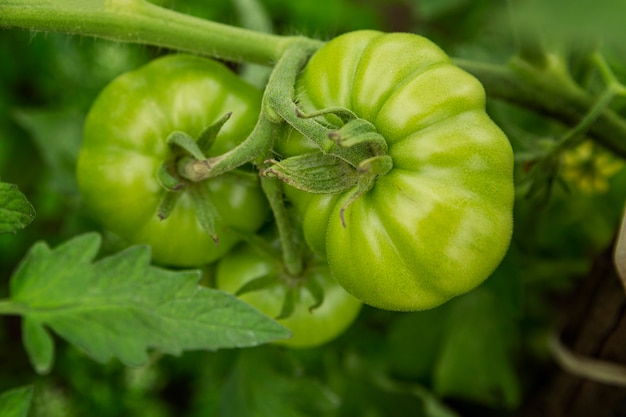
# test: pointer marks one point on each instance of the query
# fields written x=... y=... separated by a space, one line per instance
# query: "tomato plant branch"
x=608 y=75
x=8 y=307
x=279 y=89
x=254 y=147
x=548 y=93
x=138 y=21
x=576 y=134
x=292 y=258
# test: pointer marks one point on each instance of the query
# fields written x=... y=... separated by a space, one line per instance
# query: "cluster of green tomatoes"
x=432 y=221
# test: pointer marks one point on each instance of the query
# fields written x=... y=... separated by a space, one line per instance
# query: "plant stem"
x=576 y=134
x=252 y=149
x=137 y=21
x=8 y=307
x=608 y=75
x=541 y=91
x=292 y=258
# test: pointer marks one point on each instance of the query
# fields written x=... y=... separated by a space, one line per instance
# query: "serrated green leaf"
x=16 y=212
x=39 y=345
x=121 y=306
x=16 y=402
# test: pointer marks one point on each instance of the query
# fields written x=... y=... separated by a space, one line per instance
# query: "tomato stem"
x=292 y=255
x=258 y=143
x=138 y=21
x=280 y=89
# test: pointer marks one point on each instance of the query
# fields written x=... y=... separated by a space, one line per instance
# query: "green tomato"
x=125 y=144
x=440 y=221
x=310 y=327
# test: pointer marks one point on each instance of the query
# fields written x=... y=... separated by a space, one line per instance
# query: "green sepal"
x=167 y=204
x=182 y=142
x=258 y=284
x=344 y=114
x=314 y=172
x=317 y=292
x=365 y=184
x=289 y=304
x=167 y=179
x=359 y=131
x=207 y=137
x=377 y=165
x=205 y=210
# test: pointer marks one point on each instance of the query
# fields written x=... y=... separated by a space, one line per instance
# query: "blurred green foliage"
x=466 y=358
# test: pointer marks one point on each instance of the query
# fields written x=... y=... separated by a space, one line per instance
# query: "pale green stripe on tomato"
x=334 y=69
x=392 y=60
x=427 y=98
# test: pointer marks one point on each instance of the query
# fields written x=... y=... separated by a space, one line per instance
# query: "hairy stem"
x=292 y=257
x=137 y=21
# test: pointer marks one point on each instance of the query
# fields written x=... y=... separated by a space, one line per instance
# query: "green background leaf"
x=16 y=212
x=246 y=392
x=573 y=20
x=16 y=402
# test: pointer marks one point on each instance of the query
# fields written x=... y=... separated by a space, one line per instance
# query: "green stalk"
x=8 y=307
x=292 y=257
x=137 y=21
x=576 y=134
x=549 y=94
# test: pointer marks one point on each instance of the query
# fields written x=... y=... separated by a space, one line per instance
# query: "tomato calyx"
x=314 y=172
x=186 y=150
x=351 y=157
x=292 y=285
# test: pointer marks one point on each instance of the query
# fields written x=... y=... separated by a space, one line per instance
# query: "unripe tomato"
x=310 y=326
x=125 y=144
x=439 y=222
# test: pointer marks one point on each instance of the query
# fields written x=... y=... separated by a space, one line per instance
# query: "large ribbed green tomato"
x=439 y=222
x=125 y=144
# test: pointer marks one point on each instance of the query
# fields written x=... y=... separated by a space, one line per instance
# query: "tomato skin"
x=440 y=221
x=125 y=143
x=310 y=328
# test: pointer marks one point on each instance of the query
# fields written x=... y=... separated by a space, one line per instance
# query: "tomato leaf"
x=120 y=306
x=16 y=402
x=39 y=344
x=246 y=392
x=16 y=212
x=474 y=362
